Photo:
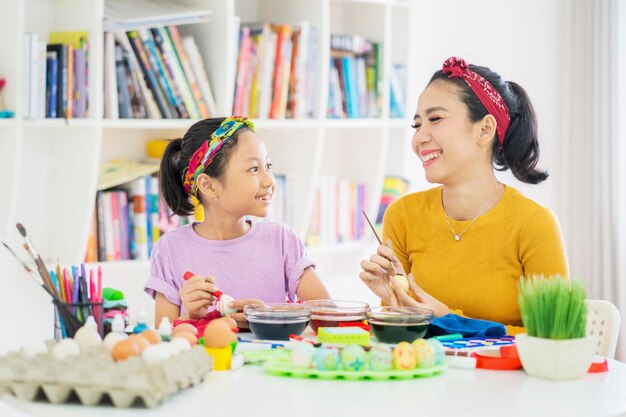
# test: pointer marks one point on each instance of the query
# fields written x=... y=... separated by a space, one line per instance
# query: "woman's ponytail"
x=520 y=152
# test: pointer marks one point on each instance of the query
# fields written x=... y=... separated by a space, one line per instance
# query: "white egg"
x=34 y=348
x=65 y=349
x=154 y=354
x=180 y=344
x=111 y=339
x=87 y=338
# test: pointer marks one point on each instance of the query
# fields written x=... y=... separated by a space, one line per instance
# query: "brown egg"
x=124 y=349
x=218 y=334
x=140 y=341
x=185 y=327
x=230 y=321
x=191 y=338
x=151 y=336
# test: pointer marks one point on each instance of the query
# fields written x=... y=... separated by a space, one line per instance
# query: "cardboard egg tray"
x=93 y=376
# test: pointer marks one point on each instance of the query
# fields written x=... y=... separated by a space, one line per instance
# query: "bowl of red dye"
x=394 y=324
x=277 y=321
x=334 y=313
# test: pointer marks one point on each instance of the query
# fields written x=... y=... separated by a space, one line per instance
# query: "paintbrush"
x=379 y=241
x=66 y=315
x=41 y=267
x=395 y=272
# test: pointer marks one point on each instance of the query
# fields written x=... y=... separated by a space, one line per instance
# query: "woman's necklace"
x=457 y=236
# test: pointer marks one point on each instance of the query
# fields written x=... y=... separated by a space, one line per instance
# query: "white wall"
x=522 y=41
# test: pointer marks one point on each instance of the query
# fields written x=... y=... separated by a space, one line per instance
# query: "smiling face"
x=248 y=183
x=445 y=139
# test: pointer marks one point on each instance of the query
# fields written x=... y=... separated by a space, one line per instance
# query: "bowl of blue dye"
x=394 y=324
x=277 y=321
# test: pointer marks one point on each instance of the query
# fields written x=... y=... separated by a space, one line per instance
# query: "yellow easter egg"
x=404 y=356
x=424 y=353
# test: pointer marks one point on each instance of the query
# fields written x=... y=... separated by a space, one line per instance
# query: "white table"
x=457 y=392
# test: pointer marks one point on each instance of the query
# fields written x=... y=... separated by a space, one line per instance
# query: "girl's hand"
x=196 y=296
x=426 y=300
x=242 y=323
x=378 y=271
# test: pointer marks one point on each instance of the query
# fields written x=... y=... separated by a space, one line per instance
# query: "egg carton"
x=94 y=375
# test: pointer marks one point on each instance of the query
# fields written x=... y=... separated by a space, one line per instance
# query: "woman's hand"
x=242 y=323
x=426 y=300
x=196 y=295
x=378 y=271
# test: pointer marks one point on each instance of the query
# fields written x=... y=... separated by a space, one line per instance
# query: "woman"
x=465 y=244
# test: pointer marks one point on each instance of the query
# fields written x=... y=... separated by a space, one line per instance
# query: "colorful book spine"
x=52 y=64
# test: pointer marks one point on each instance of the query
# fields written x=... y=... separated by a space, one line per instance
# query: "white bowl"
x=555 y=359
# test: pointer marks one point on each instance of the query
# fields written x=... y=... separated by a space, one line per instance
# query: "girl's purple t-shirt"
x=266 y=263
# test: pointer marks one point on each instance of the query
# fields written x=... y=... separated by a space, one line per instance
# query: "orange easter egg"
x=191 y=338
x=151 y=336
x=218 y=334
x=185 y=327
x=124 y=349
x=230 y=321
x=140 y=341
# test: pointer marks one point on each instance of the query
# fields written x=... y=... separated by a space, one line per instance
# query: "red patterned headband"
x=488 y=96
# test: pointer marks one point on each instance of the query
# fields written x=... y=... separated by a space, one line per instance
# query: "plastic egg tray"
x=93 y=377
x=282 y=367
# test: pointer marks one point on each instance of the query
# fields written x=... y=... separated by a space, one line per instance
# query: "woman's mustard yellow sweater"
x=477 y=275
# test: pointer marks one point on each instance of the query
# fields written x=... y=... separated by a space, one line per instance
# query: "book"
x=123 y=96
x=111 y=108
x=52 y=78
x=149 y=76
x=145 y=94
x=120 y=171
x=199 y=71
x=189 y=74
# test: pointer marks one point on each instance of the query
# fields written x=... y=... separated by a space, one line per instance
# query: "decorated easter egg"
x=222 y=305
x=301 y=355
x=380 y=358
x=404 y=356
x=424 y=353
x=326 y=358
x=440 y=354
x=353 y=358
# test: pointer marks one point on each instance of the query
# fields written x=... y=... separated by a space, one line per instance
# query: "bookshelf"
x=49 y=167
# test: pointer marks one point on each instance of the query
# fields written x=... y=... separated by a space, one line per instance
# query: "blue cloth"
x=453 y=323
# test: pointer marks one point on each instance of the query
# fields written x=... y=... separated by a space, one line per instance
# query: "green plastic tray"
x=282 y=367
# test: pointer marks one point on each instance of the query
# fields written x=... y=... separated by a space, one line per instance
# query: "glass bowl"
x=277 y=321
x=330 y=313
x=394 y=324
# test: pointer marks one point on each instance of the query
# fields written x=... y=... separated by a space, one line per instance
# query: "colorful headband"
x=488 y=96
x=204 y=155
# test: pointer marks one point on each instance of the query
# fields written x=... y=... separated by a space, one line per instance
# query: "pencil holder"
x=69 y=317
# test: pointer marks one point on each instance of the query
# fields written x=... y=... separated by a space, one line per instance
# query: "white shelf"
x=49 y=167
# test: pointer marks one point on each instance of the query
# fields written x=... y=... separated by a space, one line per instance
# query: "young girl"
x=465 y=243
x=225 y=166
